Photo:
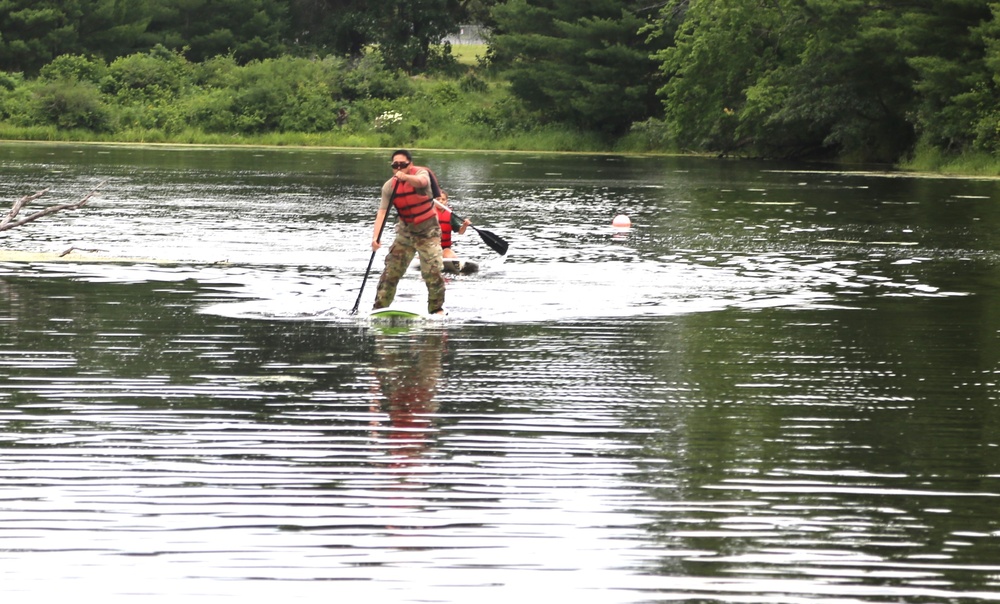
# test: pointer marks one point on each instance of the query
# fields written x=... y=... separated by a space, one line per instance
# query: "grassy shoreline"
x=968 y=164
x=926 y=163
x=539 y=141
x=339 y=147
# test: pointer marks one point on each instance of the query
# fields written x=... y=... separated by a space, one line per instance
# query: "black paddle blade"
x=496 y=243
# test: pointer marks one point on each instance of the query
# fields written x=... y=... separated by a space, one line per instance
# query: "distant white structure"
x=468 y=34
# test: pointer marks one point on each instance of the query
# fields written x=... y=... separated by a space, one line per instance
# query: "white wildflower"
x=387 y=119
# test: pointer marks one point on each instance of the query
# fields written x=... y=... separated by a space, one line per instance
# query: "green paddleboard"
x=396 y=315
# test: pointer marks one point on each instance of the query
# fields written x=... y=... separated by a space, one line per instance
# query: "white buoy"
x=621 y=221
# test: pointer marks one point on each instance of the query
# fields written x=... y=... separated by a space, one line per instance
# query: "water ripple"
x=761 y=392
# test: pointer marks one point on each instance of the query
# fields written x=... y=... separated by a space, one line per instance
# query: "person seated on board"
x=450 y=224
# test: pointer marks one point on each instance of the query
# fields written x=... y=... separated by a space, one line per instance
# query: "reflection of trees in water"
x=115 y=329
x=11 y=307
x=408 y=367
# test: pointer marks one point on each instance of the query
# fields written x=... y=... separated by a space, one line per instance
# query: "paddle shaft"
x=378 y=238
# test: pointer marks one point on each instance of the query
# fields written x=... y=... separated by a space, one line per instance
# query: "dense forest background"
x=856 y=80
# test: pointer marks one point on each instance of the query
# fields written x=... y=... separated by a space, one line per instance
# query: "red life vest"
x=413 y=207
x=444 y=217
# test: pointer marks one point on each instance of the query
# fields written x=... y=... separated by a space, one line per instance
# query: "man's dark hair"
x=403 y=152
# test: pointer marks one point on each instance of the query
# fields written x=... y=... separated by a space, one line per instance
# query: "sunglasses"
x=399 y=165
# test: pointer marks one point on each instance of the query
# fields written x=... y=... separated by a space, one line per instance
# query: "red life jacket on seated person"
x=413 y=207
x=444 y=217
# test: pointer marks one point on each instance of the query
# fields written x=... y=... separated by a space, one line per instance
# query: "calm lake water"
x=780 y=385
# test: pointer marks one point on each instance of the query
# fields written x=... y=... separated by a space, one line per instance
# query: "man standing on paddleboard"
x=418 y=232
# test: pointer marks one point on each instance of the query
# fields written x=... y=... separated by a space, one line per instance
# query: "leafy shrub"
x=70 y=104
x=210 y=110
x=446 y=93
x=987 y=132
x=75 y=67
x=441 y=60
x=314 y=96
x=157 y=75
x=217 y=72
x=311 y=109
x=12 y=94
x=370 y=79
x=366 y=111
x=15 y=100
x=471 y=82
x=647 y=135
x=10 y=81
x=288 y=94
x=505 y=117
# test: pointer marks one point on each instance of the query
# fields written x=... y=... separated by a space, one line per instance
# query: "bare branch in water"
x=9 y=222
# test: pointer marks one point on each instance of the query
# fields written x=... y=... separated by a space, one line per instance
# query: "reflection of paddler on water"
x=408 y=367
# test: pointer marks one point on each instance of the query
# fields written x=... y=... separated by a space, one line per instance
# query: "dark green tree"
x=719 y=50
x=247 y=29
x=956 y=86
x=331 y=26
x=36 y=31
x=987 y=127
x=112 y=28
x=581 y=62
x=405 y=31
x=881 y=75
x=478 y=12
x=33 y=32
x=849 y=78
x=841 y=86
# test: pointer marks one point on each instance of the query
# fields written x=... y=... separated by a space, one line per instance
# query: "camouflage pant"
x=423 y=239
